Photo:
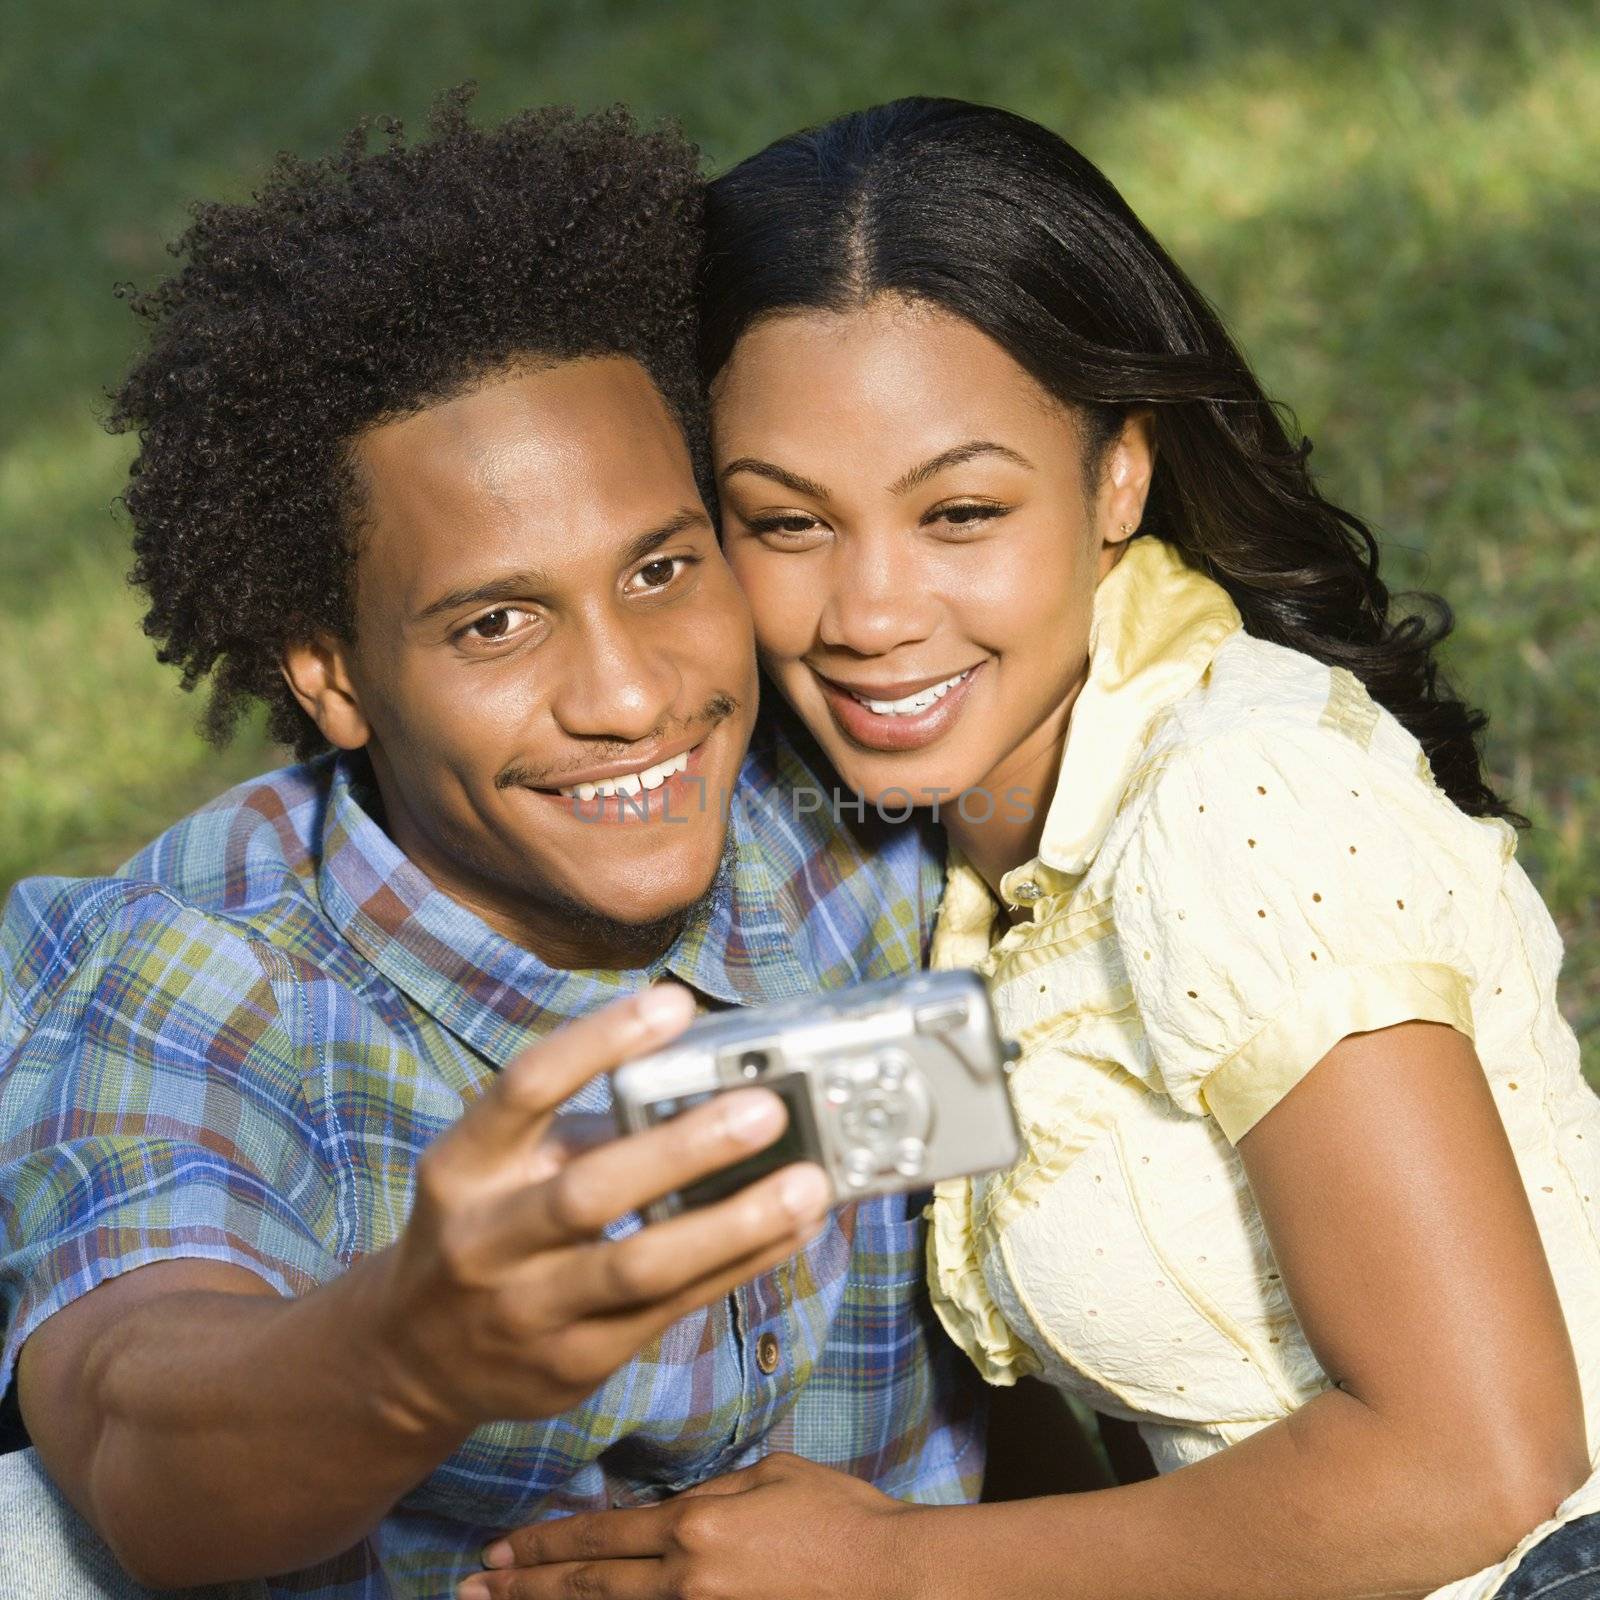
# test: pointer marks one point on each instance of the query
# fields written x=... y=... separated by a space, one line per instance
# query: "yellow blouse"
x=1245 y=860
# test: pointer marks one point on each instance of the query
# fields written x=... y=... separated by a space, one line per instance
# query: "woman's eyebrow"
x=954 y=457
x=766 y=469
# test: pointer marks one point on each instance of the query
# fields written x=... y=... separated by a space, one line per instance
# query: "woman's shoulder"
x=1271 y=732
x=1285 y=870
x=1262 y=694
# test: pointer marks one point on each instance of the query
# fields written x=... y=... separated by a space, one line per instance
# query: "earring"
x=1125 y=528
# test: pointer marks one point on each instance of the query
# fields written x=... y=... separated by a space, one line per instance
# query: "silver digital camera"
x=889 y=1086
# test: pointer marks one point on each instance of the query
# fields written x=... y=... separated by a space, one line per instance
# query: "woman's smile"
x=907 y=715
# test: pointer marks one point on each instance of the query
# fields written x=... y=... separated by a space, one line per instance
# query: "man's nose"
x=875 y=601
x=620 y=679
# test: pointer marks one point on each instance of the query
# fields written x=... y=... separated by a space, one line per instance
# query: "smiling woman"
x=988 y=601
x=1311 y=1181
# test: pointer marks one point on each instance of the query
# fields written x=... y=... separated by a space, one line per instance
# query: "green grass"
x=1391 y=203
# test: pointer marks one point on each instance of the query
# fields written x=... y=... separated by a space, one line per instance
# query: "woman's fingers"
x=605 y=1580
x=599 y=1185
x=587 y=1536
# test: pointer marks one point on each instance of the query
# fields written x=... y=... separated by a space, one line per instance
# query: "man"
x=299 y=1275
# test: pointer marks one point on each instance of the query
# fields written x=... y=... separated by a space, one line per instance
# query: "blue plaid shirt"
x=238 y=1047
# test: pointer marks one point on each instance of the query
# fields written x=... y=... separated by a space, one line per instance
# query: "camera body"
x=889 y=1086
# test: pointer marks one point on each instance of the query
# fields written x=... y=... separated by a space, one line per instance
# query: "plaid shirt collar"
x=493 y=995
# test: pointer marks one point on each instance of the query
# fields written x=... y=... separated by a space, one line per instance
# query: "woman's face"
x=909 y=513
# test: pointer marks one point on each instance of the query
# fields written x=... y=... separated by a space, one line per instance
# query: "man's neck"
x=564 y=934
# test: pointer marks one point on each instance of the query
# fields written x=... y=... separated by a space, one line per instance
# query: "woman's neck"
x=1028 y=773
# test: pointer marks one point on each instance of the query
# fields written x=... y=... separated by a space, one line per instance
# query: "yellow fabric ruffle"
x=959 y=1295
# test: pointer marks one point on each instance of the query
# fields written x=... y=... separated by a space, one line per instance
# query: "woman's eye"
x=786 y=529
x=967 y=515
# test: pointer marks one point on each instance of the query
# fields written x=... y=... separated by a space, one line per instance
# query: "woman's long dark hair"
x=1002 y=223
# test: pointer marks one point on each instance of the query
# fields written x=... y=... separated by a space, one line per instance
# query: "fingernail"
x=472 y=1589
x=499 y=1554
x=749 y=1115
x=804 y=1191
x=664 y=1003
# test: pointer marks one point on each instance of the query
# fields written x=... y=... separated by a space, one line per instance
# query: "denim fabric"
x=1564 y=1566
x=46 y=1548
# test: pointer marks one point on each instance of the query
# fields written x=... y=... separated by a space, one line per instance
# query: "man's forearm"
x=238 y=1434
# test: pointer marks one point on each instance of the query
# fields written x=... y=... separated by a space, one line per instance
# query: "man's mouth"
x=666 y=785
x=630 y=783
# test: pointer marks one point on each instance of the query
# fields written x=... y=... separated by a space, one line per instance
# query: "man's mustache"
x=518 y=776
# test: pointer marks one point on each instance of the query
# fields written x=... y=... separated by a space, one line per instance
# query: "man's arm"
x=210 y=1429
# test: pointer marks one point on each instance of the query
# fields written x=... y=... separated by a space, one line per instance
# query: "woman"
x=1311 y=1176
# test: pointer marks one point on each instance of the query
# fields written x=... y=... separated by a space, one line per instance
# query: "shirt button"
x=767 y=1353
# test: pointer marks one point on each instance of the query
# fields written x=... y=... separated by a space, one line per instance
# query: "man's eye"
x=497 y=624
x=659 y=573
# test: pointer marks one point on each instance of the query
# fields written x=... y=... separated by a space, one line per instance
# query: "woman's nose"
x=875 y=601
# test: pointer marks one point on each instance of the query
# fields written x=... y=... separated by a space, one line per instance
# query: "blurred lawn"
x=1394 y=205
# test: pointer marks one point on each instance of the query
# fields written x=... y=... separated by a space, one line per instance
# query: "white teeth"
x=913 y=703
x=630 y=783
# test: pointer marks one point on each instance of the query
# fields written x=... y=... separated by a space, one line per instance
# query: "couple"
x=302 y=1276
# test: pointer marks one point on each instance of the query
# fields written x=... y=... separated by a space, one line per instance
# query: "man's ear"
x=1130 y=463
x=317 y=671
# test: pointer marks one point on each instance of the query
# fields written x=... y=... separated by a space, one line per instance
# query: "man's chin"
x=625 y=935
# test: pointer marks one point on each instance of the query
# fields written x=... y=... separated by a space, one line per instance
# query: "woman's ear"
x=1130 y=463
x=317 y=671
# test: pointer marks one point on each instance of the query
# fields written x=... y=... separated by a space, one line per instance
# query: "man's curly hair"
x=360 y=288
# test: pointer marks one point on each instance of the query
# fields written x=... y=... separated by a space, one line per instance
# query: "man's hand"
x=784 y=1529
x=501 y=1300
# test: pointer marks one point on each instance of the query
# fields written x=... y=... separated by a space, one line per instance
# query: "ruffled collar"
x=1158 y=624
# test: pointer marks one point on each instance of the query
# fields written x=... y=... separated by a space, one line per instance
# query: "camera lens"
x=752 y=1063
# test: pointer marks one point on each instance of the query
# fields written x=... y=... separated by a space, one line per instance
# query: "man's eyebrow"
x=953 y=457
x=686 y=518
x=508 y=586
x=766 y=469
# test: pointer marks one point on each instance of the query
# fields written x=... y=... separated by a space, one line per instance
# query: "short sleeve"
x=1279 y=892
x=150 y=1109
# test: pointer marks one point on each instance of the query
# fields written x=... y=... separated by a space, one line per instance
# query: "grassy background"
x=1392 y=202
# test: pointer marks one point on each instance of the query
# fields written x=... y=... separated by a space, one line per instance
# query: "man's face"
x=541 y=605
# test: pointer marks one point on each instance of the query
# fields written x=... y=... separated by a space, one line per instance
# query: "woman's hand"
x=784 y=1529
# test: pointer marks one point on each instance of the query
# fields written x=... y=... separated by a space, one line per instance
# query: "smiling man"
x=299 y=1275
